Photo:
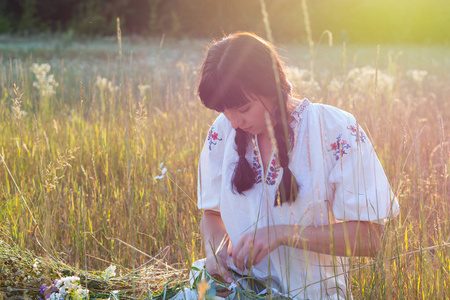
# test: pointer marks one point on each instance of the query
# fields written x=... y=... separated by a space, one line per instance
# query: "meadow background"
x=100 y=138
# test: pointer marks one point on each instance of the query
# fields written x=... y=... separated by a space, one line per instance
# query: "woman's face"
x=251 y=116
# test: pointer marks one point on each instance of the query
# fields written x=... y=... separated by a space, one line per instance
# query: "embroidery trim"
x=274 y=169
x=257 y=171
x=213 y=137
x=298 y=111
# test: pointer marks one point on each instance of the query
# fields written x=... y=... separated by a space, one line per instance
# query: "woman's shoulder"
x=221 y=124
x=219 y=132
x=320 y=114
x=329 y=116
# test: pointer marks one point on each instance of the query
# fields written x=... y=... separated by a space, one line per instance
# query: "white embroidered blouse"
x=339 y=178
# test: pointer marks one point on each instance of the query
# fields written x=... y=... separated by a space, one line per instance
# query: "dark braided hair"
x=288 y=188
x=235 y=67
x=243 y=177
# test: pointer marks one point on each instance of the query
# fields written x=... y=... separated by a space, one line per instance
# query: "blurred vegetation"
x=382 y=21
x=99 y=155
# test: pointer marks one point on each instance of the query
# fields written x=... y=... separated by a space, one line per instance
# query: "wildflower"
x=143 y=89
x=35 y=264
x=303 y=79
x=362 y=80
x=101 y=83
x=105 y=84
x=68 y=286
x=335 y=86
x=295 y=74
x=45 y=84
x=42 y=289
x=163 y=172
x=80 y=294
x=9 y=289
x=417 y=75
x=110 y=272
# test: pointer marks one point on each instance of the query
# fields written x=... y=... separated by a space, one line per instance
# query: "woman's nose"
x=235 y=120
x=236 y=123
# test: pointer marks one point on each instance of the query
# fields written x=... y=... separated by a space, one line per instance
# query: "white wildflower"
x=56 y=296
x=101 y=83
x=303 y=80
x=309 y=87
x=110 y=272
x=111 y=87
x=362 y=80
x=335 y=86
x=105 y=84
x=143 y=89
x=295 y=74
x=69 y=286
x=45 y=84
x=35 y=263
x=163 y=172
x=80 y=294
x=417 y=75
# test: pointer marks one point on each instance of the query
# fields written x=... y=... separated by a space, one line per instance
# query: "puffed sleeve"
x=210 y=165
x=361 y=189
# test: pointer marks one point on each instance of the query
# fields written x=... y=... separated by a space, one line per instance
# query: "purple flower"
x=43 y=288
x=47 y=291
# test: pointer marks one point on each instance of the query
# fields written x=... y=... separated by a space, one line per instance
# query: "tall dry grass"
x=83 y=169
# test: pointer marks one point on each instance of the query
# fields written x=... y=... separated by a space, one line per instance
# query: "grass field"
x=99 y=154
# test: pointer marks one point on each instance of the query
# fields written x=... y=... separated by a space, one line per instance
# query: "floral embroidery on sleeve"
x=257 y=171
x=360 y=136
x=213 y=137
x=272 y=173
x=339 y=147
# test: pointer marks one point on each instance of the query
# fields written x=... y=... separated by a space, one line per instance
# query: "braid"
x=288 y=188
x=243 y=177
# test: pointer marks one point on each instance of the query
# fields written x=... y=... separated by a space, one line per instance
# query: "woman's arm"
x=351 y=238
x=216 y=243
x=213 y=233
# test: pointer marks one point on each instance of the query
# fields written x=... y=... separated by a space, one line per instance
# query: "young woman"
x=288 y=188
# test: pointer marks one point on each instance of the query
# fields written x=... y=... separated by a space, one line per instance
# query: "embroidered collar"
x=297 y=113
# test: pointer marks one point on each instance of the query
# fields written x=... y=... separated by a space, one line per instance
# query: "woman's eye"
x=245 y=109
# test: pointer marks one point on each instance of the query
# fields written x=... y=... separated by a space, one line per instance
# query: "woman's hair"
x=235 y=67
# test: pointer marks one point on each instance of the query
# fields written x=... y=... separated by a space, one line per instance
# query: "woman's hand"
x=351 y=238
x=254 y=246
x=216 y=248
x=217 y=267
